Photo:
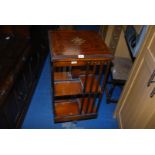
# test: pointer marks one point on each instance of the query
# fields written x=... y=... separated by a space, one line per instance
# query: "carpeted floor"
x=40 y=116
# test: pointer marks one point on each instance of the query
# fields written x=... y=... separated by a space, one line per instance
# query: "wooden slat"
x=103 y=85
x=90 y=77
x=91 y=87
x=87 y=106
x=97 y=85
x=84 y=86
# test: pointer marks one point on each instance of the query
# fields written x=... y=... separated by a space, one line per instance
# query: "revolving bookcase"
x=80 y=63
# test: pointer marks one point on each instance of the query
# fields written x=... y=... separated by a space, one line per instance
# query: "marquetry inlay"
x=77 y=41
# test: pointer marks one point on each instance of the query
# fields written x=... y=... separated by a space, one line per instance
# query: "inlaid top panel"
x=79 y=43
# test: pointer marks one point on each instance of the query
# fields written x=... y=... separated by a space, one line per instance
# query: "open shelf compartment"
x=58 y=76
x=67 y=88
x=69 y=110
x=74 y=87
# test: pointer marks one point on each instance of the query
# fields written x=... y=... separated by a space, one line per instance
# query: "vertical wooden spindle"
x=97 y=85
x=103 y=85
x=85 y=85
x=91 y=86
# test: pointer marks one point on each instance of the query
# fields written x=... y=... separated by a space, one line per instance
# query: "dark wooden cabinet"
x=20 y=66
x=16 y=30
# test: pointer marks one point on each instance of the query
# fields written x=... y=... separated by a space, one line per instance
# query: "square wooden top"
x=73 y=44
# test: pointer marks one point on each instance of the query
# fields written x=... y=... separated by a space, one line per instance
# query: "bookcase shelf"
x=80 y=66
x=67 y=88
x=69 y=108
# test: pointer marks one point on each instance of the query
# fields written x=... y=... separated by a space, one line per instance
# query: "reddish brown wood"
x=62 y=76
x=65 y=108
x=67 y=88
x=81 y=52
x=68 y=44
x=76 y=72
x=89 y=104
x=75 y=117
x=89 y=79
x=70 y=110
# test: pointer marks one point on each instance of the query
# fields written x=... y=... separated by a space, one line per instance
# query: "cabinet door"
x=138 y=107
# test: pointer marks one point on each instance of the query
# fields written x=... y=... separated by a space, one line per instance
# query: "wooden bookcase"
x=80 y=63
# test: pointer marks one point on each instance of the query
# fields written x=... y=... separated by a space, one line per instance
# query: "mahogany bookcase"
x=80 y=63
